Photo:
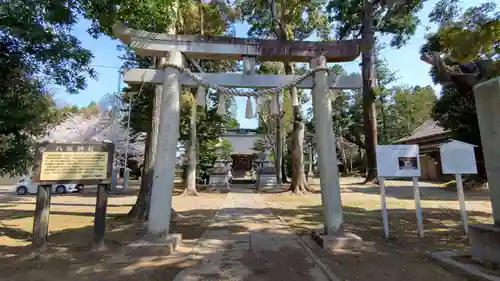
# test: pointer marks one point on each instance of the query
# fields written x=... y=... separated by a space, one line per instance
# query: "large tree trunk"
x=299 y=183
x=140 y=209
x=370 y=126
x=191 y=167
x=284 y=175
x=384 y=120
x=369 y=111
x=278 y=155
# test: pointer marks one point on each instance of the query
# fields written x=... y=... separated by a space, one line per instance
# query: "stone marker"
x=485 y=238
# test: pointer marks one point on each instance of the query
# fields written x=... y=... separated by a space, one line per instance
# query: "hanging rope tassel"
x=221 y=110
x=248 y=109
x=200 y=96
x=257 y=107
x=274 y=105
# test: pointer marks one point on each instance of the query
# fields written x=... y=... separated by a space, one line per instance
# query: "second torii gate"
x=230 y=48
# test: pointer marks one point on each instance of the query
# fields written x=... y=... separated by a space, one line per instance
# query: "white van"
x=26 y=186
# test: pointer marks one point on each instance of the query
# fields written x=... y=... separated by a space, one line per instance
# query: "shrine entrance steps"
x=242 y=177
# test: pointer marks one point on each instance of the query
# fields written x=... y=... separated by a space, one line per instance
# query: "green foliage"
x=36 y=49
x=260 y=146
x=463 y=36
x=227 y=148
x=208 y=154
x=26 y=109
x=210 y=125
x=457 y=113
x=41 y=32
x=151 y=15
x=156 y=15
x=402 y=108
x=406 y=108
x=299 y=18
x=400 y=20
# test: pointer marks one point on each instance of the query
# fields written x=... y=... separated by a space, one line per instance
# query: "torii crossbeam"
x=234 y=48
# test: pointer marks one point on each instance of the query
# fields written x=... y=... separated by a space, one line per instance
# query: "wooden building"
x=429 y=136
x=243 y=155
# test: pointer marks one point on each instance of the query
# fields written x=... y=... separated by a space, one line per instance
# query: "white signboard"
x=458 y=158
x=398 y=160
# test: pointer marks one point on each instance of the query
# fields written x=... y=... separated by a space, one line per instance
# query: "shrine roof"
x=430 y=129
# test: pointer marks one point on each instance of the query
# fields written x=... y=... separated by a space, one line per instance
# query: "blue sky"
x=405 y=61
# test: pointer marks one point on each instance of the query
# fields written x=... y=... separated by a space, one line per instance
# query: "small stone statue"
x=464 y=76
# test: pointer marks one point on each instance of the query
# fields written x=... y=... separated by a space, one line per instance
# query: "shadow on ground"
x=401 y=258
x=69 y=254
x=427 y=192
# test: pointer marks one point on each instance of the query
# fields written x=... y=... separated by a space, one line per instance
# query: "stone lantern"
x=266 y=173
x=310 y=170
x=219 y=175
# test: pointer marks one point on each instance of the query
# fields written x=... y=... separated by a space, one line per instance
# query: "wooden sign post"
x=458 y=158
x=42 y=214
x=63 y=163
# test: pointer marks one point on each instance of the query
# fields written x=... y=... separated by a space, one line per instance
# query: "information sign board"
x=458 y=158
x=88 y=163
x=398 y=160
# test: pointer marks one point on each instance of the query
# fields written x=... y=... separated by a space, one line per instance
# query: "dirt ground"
x=403 y=257
x=70 y=256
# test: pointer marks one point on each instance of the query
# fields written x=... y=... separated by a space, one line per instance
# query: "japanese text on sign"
x=83 y=164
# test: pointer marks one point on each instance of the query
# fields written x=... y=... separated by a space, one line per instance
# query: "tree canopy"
x=26 y=109
x=37 y=49
x=462 y=36
x=398 y=20
x=41 y=32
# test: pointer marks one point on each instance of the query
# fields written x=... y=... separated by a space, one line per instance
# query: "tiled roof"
x=428 y=129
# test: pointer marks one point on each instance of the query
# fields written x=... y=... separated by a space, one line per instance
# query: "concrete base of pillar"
x=332 y=243
x=154 y=248
x=485 y=243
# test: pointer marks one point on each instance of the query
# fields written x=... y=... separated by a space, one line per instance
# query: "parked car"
x=26 y=186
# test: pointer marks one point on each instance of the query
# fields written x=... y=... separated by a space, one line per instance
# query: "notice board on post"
x=398 y=160
x=62 y=163
x=458 y=158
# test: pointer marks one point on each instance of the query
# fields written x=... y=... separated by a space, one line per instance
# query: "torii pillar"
x=332 y=237
x=159 y=240
x=166 y=152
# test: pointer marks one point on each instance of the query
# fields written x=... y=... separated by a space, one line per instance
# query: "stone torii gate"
x=229 y=48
